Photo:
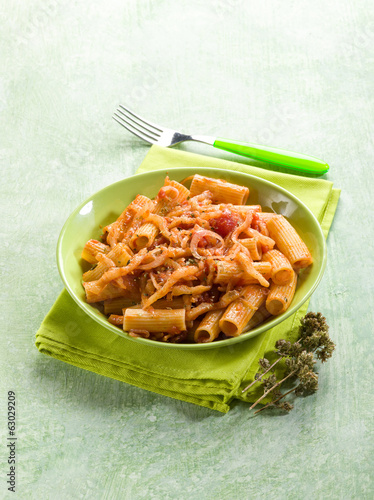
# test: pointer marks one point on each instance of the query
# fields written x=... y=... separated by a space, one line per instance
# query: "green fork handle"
x=295 y=161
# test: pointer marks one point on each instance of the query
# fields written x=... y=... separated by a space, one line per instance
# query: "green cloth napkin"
x=211 y=378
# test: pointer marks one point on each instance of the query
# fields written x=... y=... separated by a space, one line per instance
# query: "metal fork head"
x=148 y=131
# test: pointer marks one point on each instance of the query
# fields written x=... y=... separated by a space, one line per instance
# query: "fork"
x=162 y=136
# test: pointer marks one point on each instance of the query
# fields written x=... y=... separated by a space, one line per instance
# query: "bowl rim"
x=88 y=309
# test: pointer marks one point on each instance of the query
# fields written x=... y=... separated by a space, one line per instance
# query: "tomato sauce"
x=225 y=223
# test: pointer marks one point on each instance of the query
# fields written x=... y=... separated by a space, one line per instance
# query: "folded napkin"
x=212 y=378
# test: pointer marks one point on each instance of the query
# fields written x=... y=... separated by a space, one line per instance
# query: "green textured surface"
x=295 y=75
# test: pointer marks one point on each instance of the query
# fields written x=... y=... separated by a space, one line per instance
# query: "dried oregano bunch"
x=314 y=343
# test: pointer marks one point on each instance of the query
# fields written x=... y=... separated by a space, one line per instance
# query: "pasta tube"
x=171 y=194
x=281 y=269
x=289 y=242
x=158 y=320
x=254 y=247
x=209 y=328
x=144 y=236
x=259 y=317
x=227 y=271
x=265 y=216
x=239 y=312
x=91 y=248
x=222 y=191
x=248 y=208
x=175 y=303
x=109 y=292
x=280 y=297
x=115 y=232
x=116 y=305
x=118 y=255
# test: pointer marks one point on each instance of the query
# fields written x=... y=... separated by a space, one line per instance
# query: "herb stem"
x=276 y=400
x=314 y=344
x=272 y=388
x=260 y=377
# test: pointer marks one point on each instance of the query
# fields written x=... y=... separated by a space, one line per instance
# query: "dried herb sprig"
x=314 y=343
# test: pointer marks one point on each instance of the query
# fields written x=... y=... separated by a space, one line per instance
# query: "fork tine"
x=133 y=130
x=135 y=124
x=146 y=122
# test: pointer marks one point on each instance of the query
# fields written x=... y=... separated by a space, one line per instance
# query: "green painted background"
x=293 y=74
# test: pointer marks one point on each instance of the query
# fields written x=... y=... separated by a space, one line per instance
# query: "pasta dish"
x=194 y=265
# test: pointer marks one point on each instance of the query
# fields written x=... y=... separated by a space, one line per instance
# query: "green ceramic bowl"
x=105 y=206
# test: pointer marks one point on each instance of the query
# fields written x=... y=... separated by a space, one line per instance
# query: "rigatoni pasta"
x=194 y=265
x=281 y=269
x=156 y=320
x=280 y=296
x=239 y=312
x=91 y=249
x=116 y=257
x=225 y=270
x=289 y=242
x=209 y=328
x=221 y=190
